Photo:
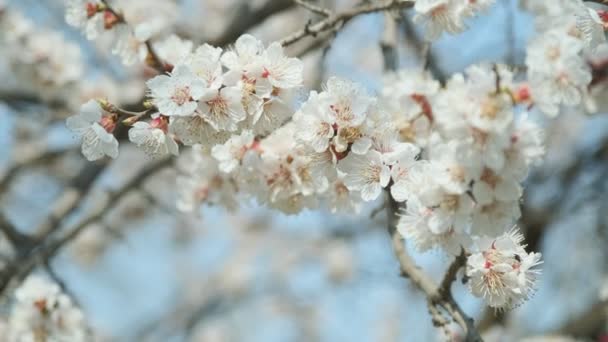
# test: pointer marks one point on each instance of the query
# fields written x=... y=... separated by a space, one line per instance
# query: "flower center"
x=181 y=95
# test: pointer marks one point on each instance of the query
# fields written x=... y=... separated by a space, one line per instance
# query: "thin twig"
x=313 y=8
x=48 y=247
x=248 y=16
x=388 y=42
x=335 y=21
x=603 y=2
x=429 y=61
x=450 y=275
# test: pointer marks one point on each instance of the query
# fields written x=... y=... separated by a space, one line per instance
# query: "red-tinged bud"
x=109 y=19
x=41 y=305
x=108 y=123
x=424 y=103
x=265 y=73
x=92 y=9
x=161 y=122
x=603 y=15
x=335 y=127
x=487 y=264
x=256 y=146
x=522 y=93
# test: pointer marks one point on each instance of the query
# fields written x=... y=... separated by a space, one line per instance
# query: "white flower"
x=41 y=309
x=173 y=50
x=193 y=130
x=127 y=46
x=205 y=63
x=348 y=102
x=365 y=173
x=440 y=15
x=502 y=272
x=453 y=160
x=94 y=131
x=402 y=161
x=316 y=124
x=53 y=59
x=558 y=74
x=493 y=218
x=407 y=96
x=491 y=185
x=591 y=26
x=222 y=108
x=424 y=226
x=152 y=138
x=230 y=154
x=84 y=14
x=342 y=200
x=204 y=183
x=246 y=54
x=273 y=112
x=527 y=147
x=281 y=71
x=392 y=150
x=434 y=216
x=177 y=93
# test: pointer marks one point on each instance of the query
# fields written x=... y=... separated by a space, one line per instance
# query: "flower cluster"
x=41 y=312
x=501 y=271
x=42 y=58
x=212 y=94
x=477 y=153
x=440 y=16
x=454 y=155
x=557 y=58
x=145 y=20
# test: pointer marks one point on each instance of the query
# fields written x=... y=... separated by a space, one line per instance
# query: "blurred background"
x=143 y=271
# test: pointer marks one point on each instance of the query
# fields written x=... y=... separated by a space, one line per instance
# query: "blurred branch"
x=16 y=238
x=589 y=323
x=41 y=156
x=335 y=21
x=17 y=99
x=247 y=17
x=423 y=49
x=47 y=247
x=388 y=42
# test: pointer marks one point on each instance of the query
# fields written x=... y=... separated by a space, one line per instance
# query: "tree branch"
x=248 y=17
x=424 y=49
x=47 y=247
x=602 y=2
x=335 y=21
x=436 y=295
